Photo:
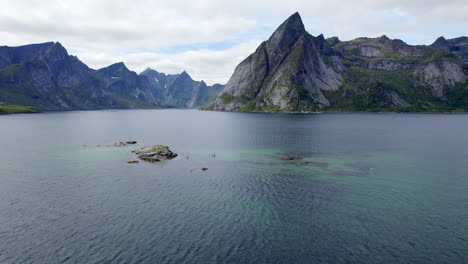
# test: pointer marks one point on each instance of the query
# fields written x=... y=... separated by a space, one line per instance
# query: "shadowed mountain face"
x=180 y=90
x=295 y=71
x=47 y=77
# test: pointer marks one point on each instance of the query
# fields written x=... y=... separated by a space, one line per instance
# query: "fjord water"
x=362 y=188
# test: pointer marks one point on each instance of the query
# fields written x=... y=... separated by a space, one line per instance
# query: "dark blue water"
x=363 y=188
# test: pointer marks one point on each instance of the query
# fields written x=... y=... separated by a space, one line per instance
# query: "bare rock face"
x=155 y=153
x=294 y=71
x=439 y=76
x=387 y=65
x=370 y=52
x=285 y=73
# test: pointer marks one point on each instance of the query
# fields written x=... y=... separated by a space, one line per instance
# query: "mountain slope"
x=53 y=80
x=295 y=71
x=47 y=77
x=16 y=109
x=180 y=90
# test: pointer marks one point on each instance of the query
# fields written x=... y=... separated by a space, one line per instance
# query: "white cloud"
x=208 y=65
x=137 y=32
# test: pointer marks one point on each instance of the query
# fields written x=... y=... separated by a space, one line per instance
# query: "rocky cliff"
x=295 y=71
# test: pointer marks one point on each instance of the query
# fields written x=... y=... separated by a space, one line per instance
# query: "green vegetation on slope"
x=13 y=109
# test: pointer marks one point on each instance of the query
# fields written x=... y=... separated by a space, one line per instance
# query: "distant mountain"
x=457 y=46
x=295 y=71
x=47 y=77
x=180 y=90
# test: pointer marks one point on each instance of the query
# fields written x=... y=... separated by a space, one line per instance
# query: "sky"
x=208 y=38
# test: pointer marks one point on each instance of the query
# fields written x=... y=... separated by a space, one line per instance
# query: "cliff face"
x=295 y=71
x=286 y=72
x=47 y=77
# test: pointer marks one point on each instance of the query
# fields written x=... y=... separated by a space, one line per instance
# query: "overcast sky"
x=208 y=38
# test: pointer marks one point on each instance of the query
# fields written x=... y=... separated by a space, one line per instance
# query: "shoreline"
x=265 y=112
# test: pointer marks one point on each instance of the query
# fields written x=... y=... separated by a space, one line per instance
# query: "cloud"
x=212 y=66
x=209 y=37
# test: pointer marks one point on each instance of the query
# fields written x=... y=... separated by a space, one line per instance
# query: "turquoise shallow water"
x=363 y=188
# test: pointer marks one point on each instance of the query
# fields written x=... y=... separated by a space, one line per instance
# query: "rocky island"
x=155 y=153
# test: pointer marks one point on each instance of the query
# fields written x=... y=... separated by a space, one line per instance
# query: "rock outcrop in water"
x=125 y=143
x=155 y=153
x=295 y=71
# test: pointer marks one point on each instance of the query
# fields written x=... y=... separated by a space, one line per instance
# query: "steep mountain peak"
x=321 y=38
x=119 y=65
x=184 y=75
x=441 y=39
x=56 y=48
x=441 y=43
x=384 y=37
x=149 y=72
x=288 y=32
x=115 y=70
x=294 y=21
x=56 y=55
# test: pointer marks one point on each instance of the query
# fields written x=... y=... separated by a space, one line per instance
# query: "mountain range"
x=45 y=76
x=294 y=71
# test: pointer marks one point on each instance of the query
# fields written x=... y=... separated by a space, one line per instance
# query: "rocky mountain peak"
x=57 y=50
x=184 y=75
x=441 y=43
x=119 y=66
x=149 y=72
x=295 y=71
x=115 y=70
x=287 y=34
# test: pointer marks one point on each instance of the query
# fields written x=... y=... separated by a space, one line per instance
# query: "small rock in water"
x=155 y=153
x=133 y=162
x=204 y=169
x=121 y=143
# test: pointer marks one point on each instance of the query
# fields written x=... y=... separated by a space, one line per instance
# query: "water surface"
x=362 y=188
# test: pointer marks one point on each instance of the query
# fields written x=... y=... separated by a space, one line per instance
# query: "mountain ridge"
x=294 y=71
x=45 y=76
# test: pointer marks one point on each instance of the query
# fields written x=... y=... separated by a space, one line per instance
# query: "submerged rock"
x=130 y=142
x=204 y=169
x=289 y=158
x=133 y=162
x=155 y=153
